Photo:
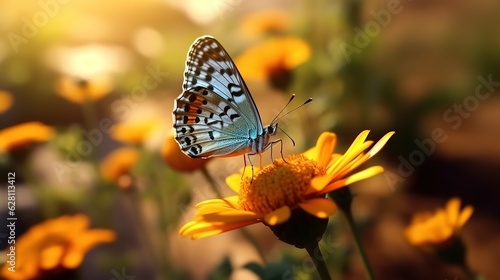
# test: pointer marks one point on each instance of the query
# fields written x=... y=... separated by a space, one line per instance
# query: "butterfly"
x=215 y=115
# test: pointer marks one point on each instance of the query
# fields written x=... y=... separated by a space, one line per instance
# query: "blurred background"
x=87 y=90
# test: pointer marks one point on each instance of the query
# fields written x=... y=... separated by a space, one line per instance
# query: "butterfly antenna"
x=279 y=116
x=282 y=109
x=293 y=142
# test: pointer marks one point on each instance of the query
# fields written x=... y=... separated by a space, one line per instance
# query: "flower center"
x=278 y=184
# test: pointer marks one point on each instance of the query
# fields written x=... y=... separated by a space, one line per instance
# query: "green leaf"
x=222 y=271
x=272 y=271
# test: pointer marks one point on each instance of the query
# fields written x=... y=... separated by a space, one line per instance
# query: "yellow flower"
x=269 y=21
x=302 y=181
x=175 y=158
x=274 y=59
x=61 y=242
x=24 y=134
x=6 y=101
x=439 y=227
x=80 y=91
x=135 y=132
x=118 y=164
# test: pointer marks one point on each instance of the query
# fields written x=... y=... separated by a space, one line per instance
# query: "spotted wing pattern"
x=215 y=115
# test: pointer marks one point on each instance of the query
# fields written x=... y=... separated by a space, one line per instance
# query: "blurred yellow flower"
x=273 y=60
x=438 y=227
x=24 y=134
x=262 y=23
x=60 y=242
x=6 y=101
x=302 y=181
x=80 y=91
x=175 y=158
x=273 y=55
x=135 y=132
x=119 y=163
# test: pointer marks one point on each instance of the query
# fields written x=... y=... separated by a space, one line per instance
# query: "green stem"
x=213 y=184
x=251 y=239
x=133 y=211
x=163 y=202
x=358 y=244
x=90 y=115
x=319 y=261
x=215 y=188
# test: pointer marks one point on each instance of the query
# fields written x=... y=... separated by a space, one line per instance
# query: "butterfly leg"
x=281 y=148
x=272 y=160
x=251 y=164
x=244 y=167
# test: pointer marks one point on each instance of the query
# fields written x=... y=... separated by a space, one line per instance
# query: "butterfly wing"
x=215 y=115
x=207 y=125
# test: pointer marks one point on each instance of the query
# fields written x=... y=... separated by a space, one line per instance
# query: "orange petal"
x=359 y=140
x=319 y=183
x=85 y=241
x=365 y=174
x=310 y=154
x=6 y=100
x=464 y=216
x=452 y=209
x=234 y=182
x=247 y=171
x=231 y=201
x=333 y=159
x=204 y=229
x=220 y=230
x=51 y=256
x=324 y=147
x=380 y=144
x=202 y=211
x=28 y=270
x=278 y=216
x=352 y=153
x=421 y=217
x=73 y=259
x=24 y=134
x=349 y=166
x=319 y=207
x=231 y=216
x=352 y=159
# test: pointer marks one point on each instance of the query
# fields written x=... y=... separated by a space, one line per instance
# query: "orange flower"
x=439 y=227
x=302 y=181
x=175 y=158
x=61 y=242
x=274 y=59
x=6 y=101
x=80 y=91
x=24 y=134
x=273 y=55
x=262 y=23
x=136 y=132
x=119 y=163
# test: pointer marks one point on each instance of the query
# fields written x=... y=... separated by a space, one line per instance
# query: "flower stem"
x=213 y=184
x=132 y=211
x=319 y=262
x=89 y=108
x=343 y=198
x=359 y=245
x=215 y=188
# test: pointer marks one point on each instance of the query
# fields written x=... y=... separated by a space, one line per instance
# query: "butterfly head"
x=271 y=129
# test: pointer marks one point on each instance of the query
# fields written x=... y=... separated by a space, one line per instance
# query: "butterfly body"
x=215 y=115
